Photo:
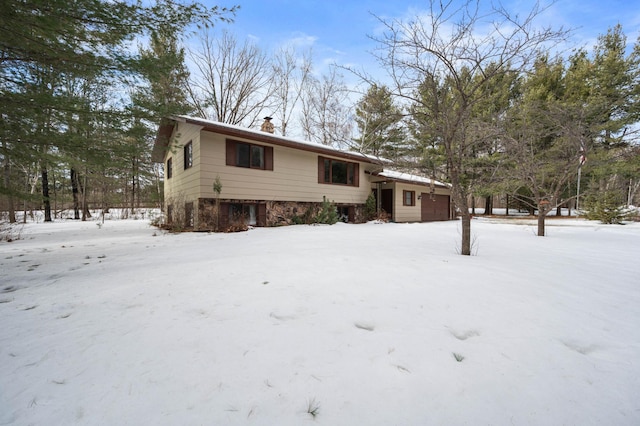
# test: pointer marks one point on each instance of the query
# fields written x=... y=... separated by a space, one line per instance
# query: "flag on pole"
x=583 y=159
x=583 y=155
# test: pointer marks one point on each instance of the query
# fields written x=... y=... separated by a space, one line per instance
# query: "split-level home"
x=270 y=180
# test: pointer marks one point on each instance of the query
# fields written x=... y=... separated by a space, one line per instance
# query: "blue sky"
x=338 y=30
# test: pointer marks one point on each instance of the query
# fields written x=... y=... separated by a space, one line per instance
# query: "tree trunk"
x=86 y=214
x=542 y=213
x=507 y=206
x=45 y=194
x=74 y=191
x=465 y=249
x=133 y=187
x=473 y=205
x=488 y=205
x=461 y=200
x=55 y=193
x=7 y=175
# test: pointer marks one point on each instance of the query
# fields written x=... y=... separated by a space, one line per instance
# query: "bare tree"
x=326 y=111
x=291 y=74
x=544 y=147
x=232 y=83
x=443 y=62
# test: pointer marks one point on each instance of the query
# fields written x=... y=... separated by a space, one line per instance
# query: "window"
x=244 y=212
x=251 y=156
x=337 y=172
x=254 y=214
x=169 y=168
x=257 y=157
x=188 y=155
x=408 y=198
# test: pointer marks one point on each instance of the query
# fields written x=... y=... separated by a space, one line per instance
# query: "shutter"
x=231 y=153
x=320 y=169
x=262 y=214
x=268 y=158
x=356 y=174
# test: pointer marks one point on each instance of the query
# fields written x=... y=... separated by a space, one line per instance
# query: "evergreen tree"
x=379 y=124
x=613 y=107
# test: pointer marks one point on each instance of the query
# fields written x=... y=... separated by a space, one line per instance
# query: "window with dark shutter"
x=338 y=172
x=408 y=198
x=248 y=155
x=169 y=168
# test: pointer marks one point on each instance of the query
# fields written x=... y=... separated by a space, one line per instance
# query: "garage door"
x=434 y=207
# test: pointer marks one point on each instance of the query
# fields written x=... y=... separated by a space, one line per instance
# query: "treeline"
x=494 y=112
x=80 y=98
x=526 y=132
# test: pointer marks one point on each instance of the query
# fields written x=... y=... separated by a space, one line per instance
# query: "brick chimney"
x=267 y=126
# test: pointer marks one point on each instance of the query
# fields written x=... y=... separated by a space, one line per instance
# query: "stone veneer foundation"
x=278 y=213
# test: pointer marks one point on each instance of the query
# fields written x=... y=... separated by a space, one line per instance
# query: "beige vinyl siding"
x=294 y=176
x=183 y=185
x=406 y=213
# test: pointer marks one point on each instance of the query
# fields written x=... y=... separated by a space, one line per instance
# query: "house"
x=269 y=180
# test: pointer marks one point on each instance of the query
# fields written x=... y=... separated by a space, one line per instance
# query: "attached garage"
x=410 y=198
x=434 y=207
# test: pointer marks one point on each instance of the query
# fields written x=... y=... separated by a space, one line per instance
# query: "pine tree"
x=379 y=124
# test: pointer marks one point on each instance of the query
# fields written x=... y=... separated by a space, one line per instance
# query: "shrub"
x=237 y=223
x=370 y=207
x=328 y=213
x=605 y=207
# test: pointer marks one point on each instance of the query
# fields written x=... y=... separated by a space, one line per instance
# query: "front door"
x=387 y=201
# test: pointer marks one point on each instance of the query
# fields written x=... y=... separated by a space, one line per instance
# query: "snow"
x=394 y=174
x=361 y=324
x=203 y=121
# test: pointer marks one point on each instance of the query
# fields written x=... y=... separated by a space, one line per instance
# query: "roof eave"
x=382 y=178
x=277 y=140
x=163 y=139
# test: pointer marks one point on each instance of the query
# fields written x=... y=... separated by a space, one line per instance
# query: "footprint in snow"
x=464 y=335
x=365 y=326
x=580 y=348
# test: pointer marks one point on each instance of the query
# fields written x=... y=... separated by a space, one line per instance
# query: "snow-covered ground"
x=374 y=324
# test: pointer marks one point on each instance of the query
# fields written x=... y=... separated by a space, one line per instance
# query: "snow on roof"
x=293 y=141
x=396 y=175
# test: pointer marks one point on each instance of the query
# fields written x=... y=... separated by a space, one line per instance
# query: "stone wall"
x=207 y=214
x=279 y=213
